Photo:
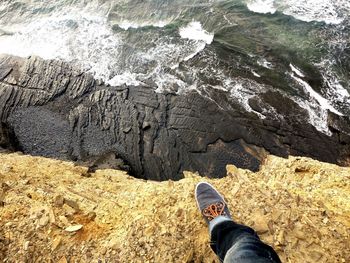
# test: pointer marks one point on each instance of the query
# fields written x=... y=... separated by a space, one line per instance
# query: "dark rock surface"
x=49 y=108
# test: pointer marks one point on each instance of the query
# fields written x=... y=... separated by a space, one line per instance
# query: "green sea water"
x=245 y=48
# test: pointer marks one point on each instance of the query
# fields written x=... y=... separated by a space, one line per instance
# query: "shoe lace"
x=214 y=210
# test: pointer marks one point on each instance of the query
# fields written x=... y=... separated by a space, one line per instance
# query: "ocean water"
x=299 y=48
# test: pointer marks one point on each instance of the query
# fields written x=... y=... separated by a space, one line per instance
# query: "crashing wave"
x=166 y=58
x=194 y=31
x=262 y=6
x=309 y=10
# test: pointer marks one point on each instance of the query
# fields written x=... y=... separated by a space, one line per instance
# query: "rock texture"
x=50 y=211
x=51 y=109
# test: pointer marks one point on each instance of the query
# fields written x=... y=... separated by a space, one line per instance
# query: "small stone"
x=56 y=243
x=302 y=168
x=59 y=200
x=64 y=220
x=7 y=168
x=68 y=211
x=44 y=220
x=280 y=237
x=146 y=125
x=315 y=255
x=103 y=251
x=232 y=170
x=5 y=187
x=261 y=225
x=26 y=182
x=2 y=197
x=127 y=129
x=52 y=216
x=73 y=204
x=74 y=228
x=91 y=216
x=26 y=245
x=62 y=260
x=86 y=174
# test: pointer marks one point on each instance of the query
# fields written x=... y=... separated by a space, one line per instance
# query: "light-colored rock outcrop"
x=54 y=211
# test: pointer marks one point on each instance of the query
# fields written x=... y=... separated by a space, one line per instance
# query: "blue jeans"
x=234 y=243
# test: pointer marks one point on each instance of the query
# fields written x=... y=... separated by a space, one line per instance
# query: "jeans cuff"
x=216 y=221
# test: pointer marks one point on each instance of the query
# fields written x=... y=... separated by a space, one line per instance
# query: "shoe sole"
x=211 y=187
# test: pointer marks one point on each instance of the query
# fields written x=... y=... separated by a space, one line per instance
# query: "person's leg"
x=230 y=241
x=238 y=243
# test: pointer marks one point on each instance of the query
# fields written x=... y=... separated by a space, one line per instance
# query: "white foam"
x=127 y=78
x=296 y=71
x=199 y=49
x=194 y=31
x=56 y=38
x=318 y=106
x=241 y=90
x=98 y=49
x=264 y=63
x=262 y=6
x=305 y=10
x=317 y=116
x=339 y=93
x=166 y=81
x=336 y=91
x=256 y=74
x=324 y=103
x=125 y=24
x=314 y=10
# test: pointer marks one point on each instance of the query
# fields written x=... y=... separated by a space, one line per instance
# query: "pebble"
x=64 y=220
x=91 y=216
x=59 y=200
x=73 y=204
x=26 y=245
x=103 y=250
x=44 y=220
x=56 y=242
x=74 y=228
x=62 y=260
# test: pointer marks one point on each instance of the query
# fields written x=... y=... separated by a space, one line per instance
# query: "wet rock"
x=158 y=136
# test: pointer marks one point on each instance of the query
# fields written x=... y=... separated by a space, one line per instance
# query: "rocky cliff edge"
x=54 y=211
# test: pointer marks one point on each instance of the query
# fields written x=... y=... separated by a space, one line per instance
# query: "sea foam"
x=195 y=31
x=305 y=10
x=125 y=24
x=262 y=6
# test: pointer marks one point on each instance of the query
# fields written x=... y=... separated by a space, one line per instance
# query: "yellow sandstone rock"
x=298 y=205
